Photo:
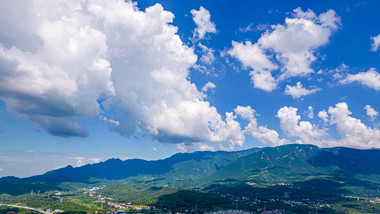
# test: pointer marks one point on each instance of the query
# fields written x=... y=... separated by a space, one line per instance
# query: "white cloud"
x=246 y=29
x=353 y=132
x=370 y=78
x=1 y=169
x=252 y=56
x=59 y=77
x=157 y=150
x=292 y=127
x=371 y=113
x=340 y=72
x=298 y=91
x=375 y=43
x=207 y=86
x=324 y=116
x=207 y=54
x=310 y=112
x=110 y=121
x=296 y=40
x=204 y=147
x=293 y=45
x=82 y=52
x=95 y=160
x=262 y=134
x=202 y=19
x=79 y=161
x=150 y=75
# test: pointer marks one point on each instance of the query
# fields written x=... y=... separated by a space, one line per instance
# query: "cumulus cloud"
x=252 y=56
x=353 y=132
x=340 y=72
x=207 y=86
x=298 y=91
x=207 y=54
x=371 y=113
x=324 y=116
x=370 y=78
x=57 y=78
x=293 y=44
x=310 y=112
x=109 y=121
x=298 y=38
x=204 y=147
x=95 y=160
x=132 y=61
x=306 y=132
x=375 y=43
x=202 y=19
x=79 y=161
x=262 y=134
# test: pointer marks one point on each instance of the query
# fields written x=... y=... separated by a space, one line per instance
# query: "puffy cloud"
x=262 y=134
x=252 y=56
x=110 y=121
x=79 y=161
x=150 y=76
x=202 y=19
x=375 y=43
x=208 y=54
x=293 y=44
x=324 y=116
x=57 y=78
x=298 y=38
x=95 y=160
x=339 y=72
x=292 y=127
x=83 y=52
x=371 y=113
x=207 y=86
x=298 y=91
x=370 y=78
x=204 y=147
x=353 y=132
x=310 y=112
x=1 y=169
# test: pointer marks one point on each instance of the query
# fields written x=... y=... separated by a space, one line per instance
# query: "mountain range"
x=286 y=164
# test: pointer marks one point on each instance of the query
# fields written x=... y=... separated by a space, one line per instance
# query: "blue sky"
x=84 y=81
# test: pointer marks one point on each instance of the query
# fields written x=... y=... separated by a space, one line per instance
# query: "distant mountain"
x=272 y=163
x=295 y=162
x=303 y=165
x=195 y=165
x=339 y=171
x=350 y=160
x=10 y=178
x=300 y=170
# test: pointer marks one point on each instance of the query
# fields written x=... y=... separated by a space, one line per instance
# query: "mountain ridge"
x=286 y=163
x=116 y=169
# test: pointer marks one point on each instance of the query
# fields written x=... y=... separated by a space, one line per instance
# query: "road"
x=27 y=208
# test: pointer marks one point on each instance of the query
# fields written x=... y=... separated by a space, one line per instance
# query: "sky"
x=85 y=81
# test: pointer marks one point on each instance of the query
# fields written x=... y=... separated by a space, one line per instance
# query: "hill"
x=177 y=168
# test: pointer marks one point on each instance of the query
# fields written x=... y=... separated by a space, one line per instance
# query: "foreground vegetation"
x=230 y=194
